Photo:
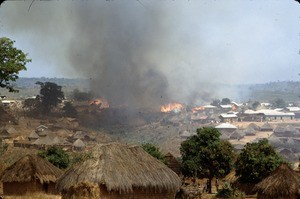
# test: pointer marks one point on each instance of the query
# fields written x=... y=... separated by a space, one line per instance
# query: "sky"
x=183 y=42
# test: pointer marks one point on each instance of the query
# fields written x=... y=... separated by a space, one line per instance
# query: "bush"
x=228 y=192
x=56 y=156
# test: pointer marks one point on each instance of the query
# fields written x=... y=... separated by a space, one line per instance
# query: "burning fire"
x=100 y=102
x=175 y=107
x=198 y=108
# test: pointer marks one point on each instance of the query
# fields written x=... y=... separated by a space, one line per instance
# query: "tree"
x=225 y=101
x=216 y=102
x=256 y=161
x=81 y=96
x=279 y=103
x=154 y=151
x=255 y=105
x=51 y=95
x=12 y=61
x=205 y=155
x=69 y=110
x=56 y=156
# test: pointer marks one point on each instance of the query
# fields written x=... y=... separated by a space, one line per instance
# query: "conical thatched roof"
x=253 y=126
x=29 y=168
x=79 y=143
x=33 y=135
x=283 y=182
x=120 y=168
x=266 y=127
x=50 y=139
x=237 y=134
x=231 y=177
x=250 y=131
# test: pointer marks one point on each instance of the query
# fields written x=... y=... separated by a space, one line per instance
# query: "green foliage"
x=81 y=96
x=154 y=151
x=228 y=192
x=56 y=156
x=205 y=155
x=32 y=105
x=216 y=102
x=279 y=103
x=255 y=105
x=69 y=110
x=257 y=161
x=12 y=60
x=51 y=95
x=225 y=101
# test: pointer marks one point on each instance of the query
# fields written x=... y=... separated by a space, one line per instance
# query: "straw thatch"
x=173 y=163
x=266 y=127
x=31 y=167
x=249 y=131
x=253 y=126
x=231 y=177
x=282 y=183
x=237 y=134
x=121 y=168
x=33 y=136
x=78 y=144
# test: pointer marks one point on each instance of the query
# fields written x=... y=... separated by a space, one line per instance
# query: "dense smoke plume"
x=147 y=53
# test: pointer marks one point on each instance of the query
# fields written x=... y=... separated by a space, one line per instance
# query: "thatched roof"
x=79 y=143
x=253 y=126
x=33 y=135
x=237 y=134
x=31 y=167
x=231 y=177
x=50 y=139
x=266 y=127
x=282 y=182
x=121 y=168
x=250 y=131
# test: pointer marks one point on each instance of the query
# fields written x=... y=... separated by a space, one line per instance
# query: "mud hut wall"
x=102 y=193
x=18 y=188
x=136 y=194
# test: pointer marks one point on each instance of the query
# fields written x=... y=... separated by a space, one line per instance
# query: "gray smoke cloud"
x=147 y=53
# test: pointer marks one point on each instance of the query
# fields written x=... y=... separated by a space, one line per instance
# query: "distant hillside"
x=287 y=90
x=27 y=86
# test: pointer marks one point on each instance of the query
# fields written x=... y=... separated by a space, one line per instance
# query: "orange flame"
x=175 y=107
x=198 y=108
x=100 y=102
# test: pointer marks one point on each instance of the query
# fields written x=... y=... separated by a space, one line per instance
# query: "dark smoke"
x=112 y=45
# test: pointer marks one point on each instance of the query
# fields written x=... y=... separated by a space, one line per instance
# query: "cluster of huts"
x=43 y=137
x=114 y=170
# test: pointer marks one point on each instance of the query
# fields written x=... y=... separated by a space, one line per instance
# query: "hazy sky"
x=231 y=41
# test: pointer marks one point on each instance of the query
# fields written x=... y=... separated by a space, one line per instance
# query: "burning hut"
x=30 y=174
x=283 y=183
x=119 y=171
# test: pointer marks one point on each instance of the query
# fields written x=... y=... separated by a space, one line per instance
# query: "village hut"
x=237 y=134
x=288 y=131
x=7 y=133
x=173 y=163
x=253 y=126
x=283 y=183
x=30 y=174
x=120 y=171
x=231 y=177
x=224 y=136
x=266 y=127
x=185 y=134
x=226 y=128
x=78 y=145
x=249 y=131
x=33 y=136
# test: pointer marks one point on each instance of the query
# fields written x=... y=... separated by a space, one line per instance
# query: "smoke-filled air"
x=147 y=53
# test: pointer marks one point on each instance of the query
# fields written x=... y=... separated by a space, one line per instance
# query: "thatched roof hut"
x=121 y=171
x=33 y=136
x=237 y=134
x=7 y=133
x=249 y=131
x=283 y=183
x=78 y=145
x=253 y=126
x=266 y=127
x=173 y=163
x=30 y=174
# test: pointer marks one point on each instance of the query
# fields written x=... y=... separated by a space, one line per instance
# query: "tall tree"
x=154 y=151
x=225 y=101
x=50 y=94
x=205 y=155
x=256 y=161
x=12 y=61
